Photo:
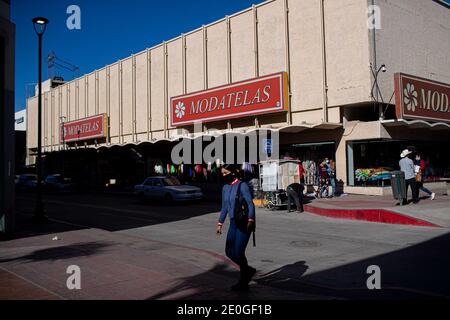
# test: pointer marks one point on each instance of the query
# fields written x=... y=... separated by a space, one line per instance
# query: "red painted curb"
x=371 y=215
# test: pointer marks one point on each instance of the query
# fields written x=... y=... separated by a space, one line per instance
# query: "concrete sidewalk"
x=386 y=209
x=118 y=266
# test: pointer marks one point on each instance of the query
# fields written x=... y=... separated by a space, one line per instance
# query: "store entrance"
x=311 y=156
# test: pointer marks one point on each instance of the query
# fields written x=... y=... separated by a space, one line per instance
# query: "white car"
x=169 y=189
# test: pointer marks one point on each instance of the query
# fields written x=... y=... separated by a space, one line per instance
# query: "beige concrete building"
x=330 y=52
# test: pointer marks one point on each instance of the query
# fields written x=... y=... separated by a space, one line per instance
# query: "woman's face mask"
x=229 y=177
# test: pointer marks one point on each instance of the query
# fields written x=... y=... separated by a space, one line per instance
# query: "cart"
x=274 y=177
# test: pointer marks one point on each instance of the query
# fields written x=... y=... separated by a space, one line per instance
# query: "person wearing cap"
x=407 y=166
x=237 y=239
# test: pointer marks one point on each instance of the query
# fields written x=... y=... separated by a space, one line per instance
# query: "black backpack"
x=241 y=213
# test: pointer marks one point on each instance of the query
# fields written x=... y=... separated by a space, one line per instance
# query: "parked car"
x=169 y=189
x=26 y=182
x=59 y=183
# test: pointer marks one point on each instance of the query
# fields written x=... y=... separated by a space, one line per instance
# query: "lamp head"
x=383 y=68
x=40 y=23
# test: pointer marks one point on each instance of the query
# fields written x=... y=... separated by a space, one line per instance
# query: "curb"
x=370 y=215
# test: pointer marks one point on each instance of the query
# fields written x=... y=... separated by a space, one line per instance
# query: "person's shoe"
x=240 y=286
x=433 y=195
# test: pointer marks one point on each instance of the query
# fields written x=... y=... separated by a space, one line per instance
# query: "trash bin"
x=398 y=186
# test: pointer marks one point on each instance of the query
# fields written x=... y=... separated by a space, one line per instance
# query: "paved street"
x=128 y=249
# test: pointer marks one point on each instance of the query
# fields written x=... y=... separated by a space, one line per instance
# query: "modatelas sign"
x=94 y=127
x=418 y=98
x=246 y=98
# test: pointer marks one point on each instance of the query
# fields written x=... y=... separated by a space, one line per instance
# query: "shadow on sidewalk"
x=62 y=252
x=106 y=212
x=216 y=283
x=420 y=271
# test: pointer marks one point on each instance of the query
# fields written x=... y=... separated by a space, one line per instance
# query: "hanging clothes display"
x=159 y=168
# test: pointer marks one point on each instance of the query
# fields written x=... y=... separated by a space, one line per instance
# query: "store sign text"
x=84 y=129
x=260 y=95
x=418 y=98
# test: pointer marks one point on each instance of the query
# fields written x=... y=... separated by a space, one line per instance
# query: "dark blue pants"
x=236 y=244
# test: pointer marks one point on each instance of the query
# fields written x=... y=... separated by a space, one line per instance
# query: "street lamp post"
x=375 y=75
x=39 y=24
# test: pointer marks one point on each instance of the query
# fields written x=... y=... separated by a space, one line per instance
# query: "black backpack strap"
x=254 y=238
x=238 y=192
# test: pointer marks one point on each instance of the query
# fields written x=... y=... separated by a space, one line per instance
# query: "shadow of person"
x=200 y=286
x=62 y=252
x=287 y=274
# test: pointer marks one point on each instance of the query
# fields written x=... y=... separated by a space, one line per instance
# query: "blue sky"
x=110 y=30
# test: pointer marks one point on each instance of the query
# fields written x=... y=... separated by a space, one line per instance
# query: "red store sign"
x=94 y=127
x=418 y=98
x=262 y=95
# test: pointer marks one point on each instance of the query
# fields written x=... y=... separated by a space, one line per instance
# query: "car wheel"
x=168 y=199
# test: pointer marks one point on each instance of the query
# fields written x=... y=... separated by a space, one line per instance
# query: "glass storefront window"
x=371 y=161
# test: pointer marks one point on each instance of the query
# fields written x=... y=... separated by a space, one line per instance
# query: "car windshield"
x=171 y=181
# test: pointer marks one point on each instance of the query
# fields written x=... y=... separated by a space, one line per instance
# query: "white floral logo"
x=179 y=110
x=410 y=97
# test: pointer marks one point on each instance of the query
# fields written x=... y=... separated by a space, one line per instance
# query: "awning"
x=415 y=124
x=216 y=133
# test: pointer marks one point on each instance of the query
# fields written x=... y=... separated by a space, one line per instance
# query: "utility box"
x=398 y=186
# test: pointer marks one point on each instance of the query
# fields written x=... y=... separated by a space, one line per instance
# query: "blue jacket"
x=228 y=201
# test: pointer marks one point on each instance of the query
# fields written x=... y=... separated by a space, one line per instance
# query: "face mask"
x=229 y=178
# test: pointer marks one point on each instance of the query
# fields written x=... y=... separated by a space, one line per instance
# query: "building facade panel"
x=242 y=46
x=195 y=73
x=217 y=57
x=114 y=106
x=126 y=102
x=64 y=102
x=32 y=122
x=142 y=94
x=174 y=69
x=72 y=101
x=102 y=91
x=92 y=94
x=305 y=55
x=82 y=97
x=157 y=88
x=55 y=119
x=271 y=38
x=46 y=121
x=347 y=52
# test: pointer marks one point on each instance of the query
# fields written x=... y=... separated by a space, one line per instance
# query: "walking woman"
x=237 y=238
x=420 y=176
